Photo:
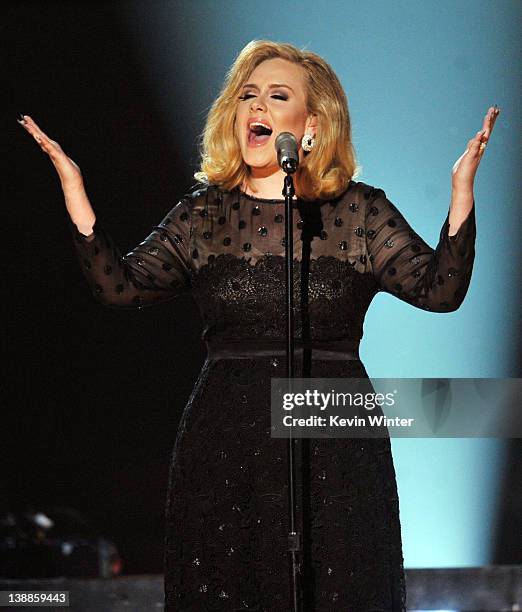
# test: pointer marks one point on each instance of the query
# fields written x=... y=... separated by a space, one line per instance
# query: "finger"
x=36 y=132
x=493 y=118
x=489 y=120
x=33 y=127
x=486 y=123
x=478 y=144
x=474 y=145
x=41 y=138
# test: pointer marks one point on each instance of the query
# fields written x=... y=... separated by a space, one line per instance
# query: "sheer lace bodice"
x=228 y=248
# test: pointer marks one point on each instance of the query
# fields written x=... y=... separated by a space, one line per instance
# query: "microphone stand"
x=294 y=537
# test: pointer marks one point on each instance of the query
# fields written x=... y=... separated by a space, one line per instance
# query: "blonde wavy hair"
x=327 y=170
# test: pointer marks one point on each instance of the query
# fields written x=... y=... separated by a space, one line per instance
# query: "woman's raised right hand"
x=68 y=170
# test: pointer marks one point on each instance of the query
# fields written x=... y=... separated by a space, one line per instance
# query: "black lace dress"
x=226 y=513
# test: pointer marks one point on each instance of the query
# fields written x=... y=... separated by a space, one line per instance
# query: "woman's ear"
x=311 y=124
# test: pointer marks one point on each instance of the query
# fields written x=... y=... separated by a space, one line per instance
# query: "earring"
x=307 y=143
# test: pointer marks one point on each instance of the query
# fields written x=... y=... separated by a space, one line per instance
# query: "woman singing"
x=227 y=506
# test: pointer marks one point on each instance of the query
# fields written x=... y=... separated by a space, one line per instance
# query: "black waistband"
x=332 y=350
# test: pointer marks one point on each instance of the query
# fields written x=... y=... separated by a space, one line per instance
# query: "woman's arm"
x=464 y=171
x=154 y=271
x=69 y=173
x=79 y=208
x=404 y=265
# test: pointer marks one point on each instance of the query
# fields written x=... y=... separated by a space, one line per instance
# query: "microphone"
x=287 y=152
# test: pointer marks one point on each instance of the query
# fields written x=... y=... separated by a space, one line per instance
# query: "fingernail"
x=21 y=118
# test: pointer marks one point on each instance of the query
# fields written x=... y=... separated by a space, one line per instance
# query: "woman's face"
x=274 y=96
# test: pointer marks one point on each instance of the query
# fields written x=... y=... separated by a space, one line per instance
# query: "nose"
x=258 y=103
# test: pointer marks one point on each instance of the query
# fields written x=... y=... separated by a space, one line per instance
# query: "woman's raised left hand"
x=465 y=168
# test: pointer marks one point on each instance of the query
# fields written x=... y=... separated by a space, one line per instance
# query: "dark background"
x=93 y=395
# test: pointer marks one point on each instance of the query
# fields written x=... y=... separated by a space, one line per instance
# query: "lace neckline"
x=242 y=194
x=247 y=196
x=256 y=199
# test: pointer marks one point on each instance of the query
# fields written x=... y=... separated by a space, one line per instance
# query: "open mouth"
x=258 y=133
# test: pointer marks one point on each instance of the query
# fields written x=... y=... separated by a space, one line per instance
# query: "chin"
x=256 y=163
x=259 y=159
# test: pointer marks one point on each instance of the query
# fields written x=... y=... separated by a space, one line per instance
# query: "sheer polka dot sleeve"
x=405 y=266
x=156 y=270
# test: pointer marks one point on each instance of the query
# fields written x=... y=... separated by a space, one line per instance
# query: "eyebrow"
x=272 y=85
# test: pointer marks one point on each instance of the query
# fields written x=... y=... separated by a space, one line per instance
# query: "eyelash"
x=276 y=96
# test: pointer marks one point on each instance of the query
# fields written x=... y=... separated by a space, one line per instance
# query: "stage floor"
x=478 y=589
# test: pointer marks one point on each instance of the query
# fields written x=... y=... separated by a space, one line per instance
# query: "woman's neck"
x=270 y=186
